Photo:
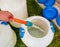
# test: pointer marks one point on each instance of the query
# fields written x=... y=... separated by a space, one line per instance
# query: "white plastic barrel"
x=36 y=38
x=17 y=7
x=7 y=36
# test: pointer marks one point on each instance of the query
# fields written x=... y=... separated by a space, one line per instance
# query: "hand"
x=5 y=16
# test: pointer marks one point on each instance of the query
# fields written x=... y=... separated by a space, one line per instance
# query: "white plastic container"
x=17 y=7
x=56 y=5
x=33 y=38
x=7 y=36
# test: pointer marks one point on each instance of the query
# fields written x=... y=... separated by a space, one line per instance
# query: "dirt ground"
x=58 y=1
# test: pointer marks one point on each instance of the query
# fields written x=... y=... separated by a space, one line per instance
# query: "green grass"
x=34 y=9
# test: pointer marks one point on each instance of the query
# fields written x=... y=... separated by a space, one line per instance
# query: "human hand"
x=5 y=16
